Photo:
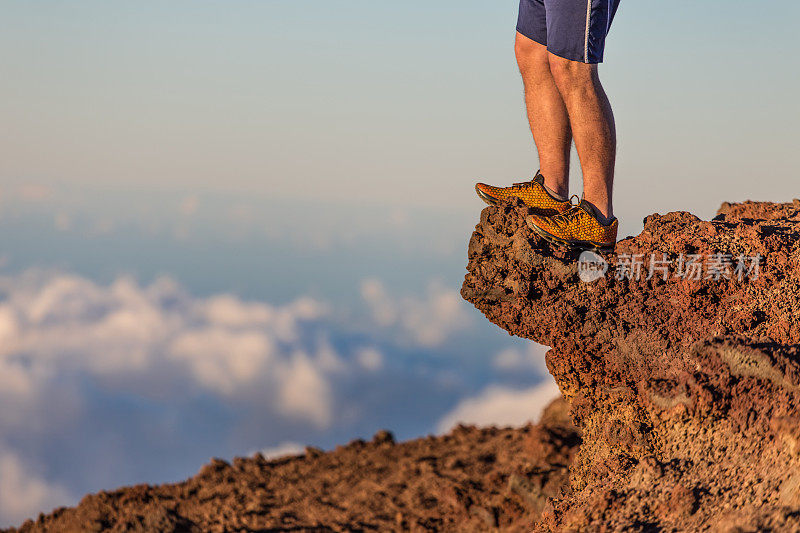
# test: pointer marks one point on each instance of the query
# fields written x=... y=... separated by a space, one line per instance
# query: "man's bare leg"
x=547 y=114
x=592 y=123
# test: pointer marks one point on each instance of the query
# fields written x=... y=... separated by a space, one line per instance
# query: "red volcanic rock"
x=469 y=480
x=686 y=391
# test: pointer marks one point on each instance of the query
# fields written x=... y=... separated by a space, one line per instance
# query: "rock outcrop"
x=686 y=391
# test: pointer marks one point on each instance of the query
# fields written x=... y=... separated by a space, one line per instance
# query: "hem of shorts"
x=562 y=56
x=531 y=38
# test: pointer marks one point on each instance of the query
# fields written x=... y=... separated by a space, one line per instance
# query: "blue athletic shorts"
x=572 y=29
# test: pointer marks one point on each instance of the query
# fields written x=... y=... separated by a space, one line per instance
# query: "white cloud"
x=283 y=449
x=64 y=338
x=382 y=307
x=515 y=359
x=61 y=324
x=54 y=324
x=223 y=360
x=428 y=321
x=111 y=371
x=231 y=311
x=370 y=359
x=502 y=406
x=150 y=340
x=9 y=328
x=23 y=494
x=305 y=391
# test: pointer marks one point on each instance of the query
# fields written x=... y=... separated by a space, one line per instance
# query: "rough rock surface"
x=686 y=392
x=470 y=480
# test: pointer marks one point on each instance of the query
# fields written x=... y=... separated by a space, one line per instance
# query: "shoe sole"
x=575 y=245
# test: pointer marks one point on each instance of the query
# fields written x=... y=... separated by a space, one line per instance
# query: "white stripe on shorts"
x=588 y=24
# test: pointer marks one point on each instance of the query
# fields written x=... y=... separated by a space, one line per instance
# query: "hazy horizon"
x=237 y=226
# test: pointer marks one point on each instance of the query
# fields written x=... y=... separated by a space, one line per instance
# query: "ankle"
x=557 y=188
x=602 y=211
x=562 y=196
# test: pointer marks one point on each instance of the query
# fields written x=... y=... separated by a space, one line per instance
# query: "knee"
x=530 y=55
x=524 y=47
x=571 y=75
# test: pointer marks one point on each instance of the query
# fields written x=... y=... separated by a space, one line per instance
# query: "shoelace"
x=523 y=185
x=564 y=219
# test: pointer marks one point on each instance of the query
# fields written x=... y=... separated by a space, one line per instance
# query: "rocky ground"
x=470 y=480
x=683 y=408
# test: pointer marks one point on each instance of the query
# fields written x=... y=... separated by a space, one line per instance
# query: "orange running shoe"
x=578 y=228
x=533 y=193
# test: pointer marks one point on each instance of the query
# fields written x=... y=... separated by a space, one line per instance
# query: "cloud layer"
x=23 y=494
x=102 y=385
x=121 y=335
x=502 y=406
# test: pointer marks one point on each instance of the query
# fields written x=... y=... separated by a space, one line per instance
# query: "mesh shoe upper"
x=577 y=226
x=531 y=192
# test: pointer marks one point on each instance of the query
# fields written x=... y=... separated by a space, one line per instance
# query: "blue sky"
x=242 y=225
x=354 y=101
